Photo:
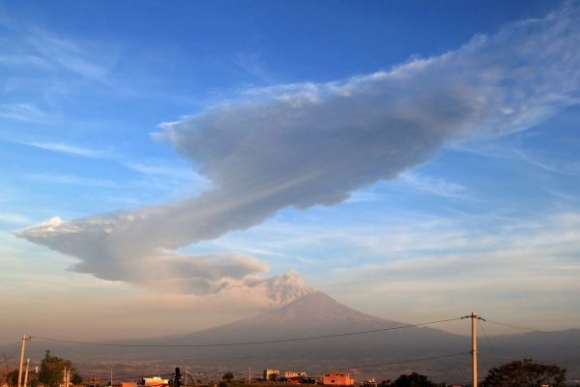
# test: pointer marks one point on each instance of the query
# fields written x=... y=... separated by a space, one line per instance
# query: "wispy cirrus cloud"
x=428 y=266
x=13 y=218
x=34 y=47
x=55 y=178
x=172 y=171
x=68 y=55
x=40 y=69
x=572 y=170
x=26 y=112
x=308 y=144
x=431 y=185
x=60 y=147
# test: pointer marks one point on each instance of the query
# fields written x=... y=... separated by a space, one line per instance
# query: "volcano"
x=317 y=334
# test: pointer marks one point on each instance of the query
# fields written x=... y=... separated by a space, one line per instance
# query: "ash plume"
x=309 y=144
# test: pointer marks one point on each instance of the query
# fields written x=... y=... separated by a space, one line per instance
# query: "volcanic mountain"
x=312 y=319
x=317 y=334
x=313 y=315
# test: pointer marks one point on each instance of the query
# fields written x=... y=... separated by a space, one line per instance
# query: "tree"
x=228 y=376
x=52 y=370
x=76 y=378
x=525 y=373
x=413 y=380
x=12 y=378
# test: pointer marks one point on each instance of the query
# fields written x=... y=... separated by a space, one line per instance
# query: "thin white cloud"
x=55 y=178
x=60 y=147
x=25 y=112
x=41 y=66
x=567 y=170
x=175 y=172
x=23 y=60
x=13 y=218
x=521 y=262
x=311 y=144
x=435 y=186
x=252 y=63
x=364 y=196
x=66 y=54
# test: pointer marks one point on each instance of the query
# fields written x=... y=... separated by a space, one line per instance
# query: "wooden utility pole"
x=26 y=373
x=474 y=348
x=474 y=319
x=66 y=377
x=22 y=350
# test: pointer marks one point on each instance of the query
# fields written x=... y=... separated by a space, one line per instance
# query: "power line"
x=12 y=354
x=515 y=326
x=492 y=348
x=250 y=342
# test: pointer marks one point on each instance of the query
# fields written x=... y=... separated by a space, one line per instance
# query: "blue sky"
x=209 y=160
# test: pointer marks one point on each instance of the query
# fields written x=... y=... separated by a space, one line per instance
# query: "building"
x=294 y=374
x=370 y=383
x=154 y=381
x=337 y=379
x=271 y=374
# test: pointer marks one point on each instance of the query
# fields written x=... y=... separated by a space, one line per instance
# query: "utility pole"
x=66 y=377
x=26 y=373
x=474 y=347
x=22 y=349
x=6 y=364
x=177 y=378
x=474 y=319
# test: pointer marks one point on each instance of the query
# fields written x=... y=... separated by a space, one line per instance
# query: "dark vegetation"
x=525 y=373
x=51 y=373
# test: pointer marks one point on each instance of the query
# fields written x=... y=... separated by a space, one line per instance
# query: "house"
x=294 y=374
x=337 y=379
x=370 y=383
x=271 y=374
x=295 y=377
x=154 y=381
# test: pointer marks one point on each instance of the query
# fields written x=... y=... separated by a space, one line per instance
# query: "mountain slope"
x=317 y=334
x=314 y=316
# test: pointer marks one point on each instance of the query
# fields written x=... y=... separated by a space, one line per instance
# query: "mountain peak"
x=318 y=306
x=315 y=304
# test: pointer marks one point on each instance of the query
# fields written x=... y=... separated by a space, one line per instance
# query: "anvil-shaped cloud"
x=311 y=144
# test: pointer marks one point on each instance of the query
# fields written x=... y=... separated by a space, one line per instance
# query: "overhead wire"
x=492 y=348
x=298 y=339
x=515 y=326
x=109 y=344
x=12 y=354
